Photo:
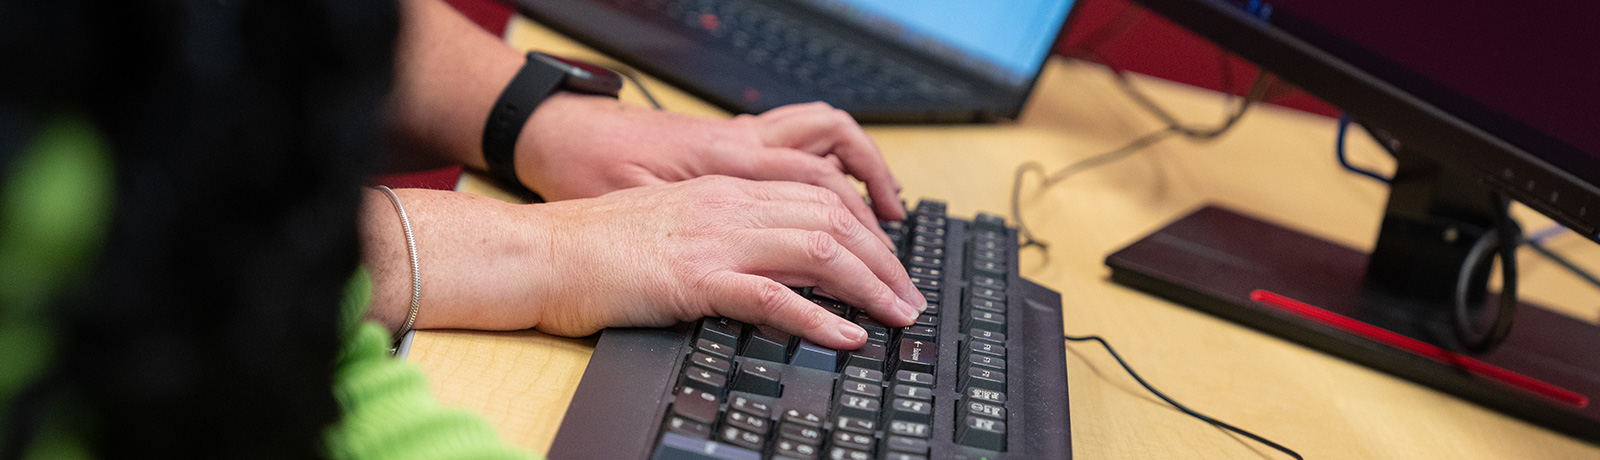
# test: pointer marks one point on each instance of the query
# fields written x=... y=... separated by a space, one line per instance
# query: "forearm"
x=481 y=260
x=448 y=73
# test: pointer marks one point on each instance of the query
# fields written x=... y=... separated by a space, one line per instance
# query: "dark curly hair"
x=240 y=132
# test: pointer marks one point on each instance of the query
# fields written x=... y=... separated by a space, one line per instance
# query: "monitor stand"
x=1387 y=310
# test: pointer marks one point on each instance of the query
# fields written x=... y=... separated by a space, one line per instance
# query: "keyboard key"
x=984 y=320
x=734 y=435
x=977 y=377
x=795 y=416
x=987 y=336
x=737 y=401
x=985 y=410
x=917 y=355
x=987 y=293
x=924 y=333
x=986 y=361
x=865 y=375
x=688 y=428
x=869 y=356
x=767 y=343
x=807 y=435
x=910 y=429
x=859 y=388
x=927 y=320
x=790 y=449
x=711 y=362
x=926 y=272
x=695 y=405
x=990 y=222
x=911 y=410
x=704 y=380
x=721 y=330
x=989 y=282
x=747 y=422
x=982 y=394
x=982 y=433
x=713 y=348
x=987 y=348
x=678 y=447
x=814 y=356
x=921 y=260
x=844 y=453
x=855 y=425
x=986 y=305
x=859 y=407
x=903 y=456
x=908 y=445
x=989 y=267
x=855 y=441
x=913 y=392
x=913 y=378
x=926 y=283
x=758 y=378
x=876 y=333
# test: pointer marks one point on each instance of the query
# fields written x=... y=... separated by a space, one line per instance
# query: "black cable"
x=1338 y=151
x=1562 y=261
x=632 y=76
x=1495 y=242
x=1181 y=407
x=1174 y=127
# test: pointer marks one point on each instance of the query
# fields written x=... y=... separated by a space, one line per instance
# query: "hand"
x=646 y=256
x=719 y=246
x=578 y=146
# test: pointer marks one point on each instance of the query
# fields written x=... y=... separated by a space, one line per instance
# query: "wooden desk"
x=1277 y=164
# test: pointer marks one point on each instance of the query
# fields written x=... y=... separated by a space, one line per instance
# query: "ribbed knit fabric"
x=388 y=411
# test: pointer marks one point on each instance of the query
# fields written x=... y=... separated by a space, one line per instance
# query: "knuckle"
x=811 y=319
x=821 y=247
x=841 y=221
x=770 y=298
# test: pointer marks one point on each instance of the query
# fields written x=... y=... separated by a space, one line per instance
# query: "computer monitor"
x=1480 y=103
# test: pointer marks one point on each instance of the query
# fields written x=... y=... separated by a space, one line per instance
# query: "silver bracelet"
x=416 y=275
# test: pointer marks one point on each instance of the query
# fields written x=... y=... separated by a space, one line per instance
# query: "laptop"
x=883 y=61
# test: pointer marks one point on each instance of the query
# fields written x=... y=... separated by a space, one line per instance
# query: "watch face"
x=583 y=77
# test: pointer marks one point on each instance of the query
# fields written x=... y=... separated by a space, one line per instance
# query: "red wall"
x=1127 y=37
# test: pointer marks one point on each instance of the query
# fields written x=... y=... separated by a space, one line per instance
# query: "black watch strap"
x=533 y=83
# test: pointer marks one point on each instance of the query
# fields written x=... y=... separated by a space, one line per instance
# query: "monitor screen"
x=1524 y=73
x=1008 y=43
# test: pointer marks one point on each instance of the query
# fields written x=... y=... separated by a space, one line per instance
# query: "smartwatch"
x=541 y=76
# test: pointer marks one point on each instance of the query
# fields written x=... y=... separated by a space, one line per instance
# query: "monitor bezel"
x=1397 y=113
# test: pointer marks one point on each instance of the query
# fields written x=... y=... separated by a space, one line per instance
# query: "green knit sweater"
x=53 y=212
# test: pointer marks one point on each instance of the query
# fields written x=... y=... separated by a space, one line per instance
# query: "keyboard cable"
x=1181 y=407
x=1258 y=90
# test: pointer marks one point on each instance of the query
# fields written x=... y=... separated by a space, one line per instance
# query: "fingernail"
x=908 y=310
x=852 y=332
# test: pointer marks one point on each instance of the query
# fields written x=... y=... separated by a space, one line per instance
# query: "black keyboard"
x=812 y=58
x=981 y=375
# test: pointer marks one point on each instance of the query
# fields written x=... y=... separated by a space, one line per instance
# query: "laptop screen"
x=1006 y=41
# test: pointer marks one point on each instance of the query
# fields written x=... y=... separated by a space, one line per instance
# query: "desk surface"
x=1276 y=164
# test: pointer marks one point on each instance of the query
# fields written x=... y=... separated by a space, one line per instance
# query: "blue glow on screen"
x=1010 y=36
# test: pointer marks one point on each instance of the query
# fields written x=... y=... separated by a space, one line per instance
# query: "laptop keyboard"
x=980 y=375
x=810 y=58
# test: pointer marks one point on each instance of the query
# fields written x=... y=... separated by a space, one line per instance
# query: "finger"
x=883 y=263
x=816 y=258
x=759 y=300
x=820 y=131
x=796 y=166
